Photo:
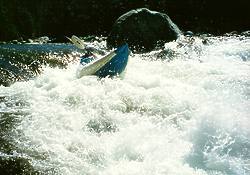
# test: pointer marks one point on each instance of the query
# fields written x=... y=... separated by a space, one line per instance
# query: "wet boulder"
x=143 y=30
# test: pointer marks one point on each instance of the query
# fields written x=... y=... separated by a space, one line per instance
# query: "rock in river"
x=143 y=30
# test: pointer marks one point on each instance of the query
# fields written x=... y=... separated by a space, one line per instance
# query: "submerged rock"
x=15 y=165
x=143 y=30
x=102 y=125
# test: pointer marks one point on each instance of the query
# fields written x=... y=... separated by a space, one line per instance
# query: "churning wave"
x=181 y=110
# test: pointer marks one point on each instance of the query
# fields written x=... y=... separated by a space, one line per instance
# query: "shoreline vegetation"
x=57 y=19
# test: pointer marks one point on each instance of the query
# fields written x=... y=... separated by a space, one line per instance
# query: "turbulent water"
x=185 y=110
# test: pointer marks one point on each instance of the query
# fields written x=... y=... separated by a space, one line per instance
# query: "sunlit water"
x=188 y=114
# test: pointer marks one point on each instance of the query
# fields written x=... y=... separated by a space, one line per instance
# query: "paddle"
x=77 y=42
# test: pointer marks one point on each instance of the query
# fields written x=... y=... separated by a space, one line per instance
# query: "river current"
x=185 y=110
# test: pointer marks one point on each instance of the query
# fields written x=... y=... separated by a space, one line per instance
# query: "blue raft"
x=110 y=65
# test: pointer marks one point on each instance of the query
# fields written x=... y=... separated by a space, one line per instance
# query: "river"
x=183 y=112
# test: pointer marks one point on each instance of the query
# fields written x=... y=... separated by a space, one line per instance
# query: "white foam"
x=186 y=116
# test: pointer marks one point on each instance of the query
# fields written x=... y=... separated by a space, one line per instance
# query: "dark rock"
x=13 y=165
x=143 y=30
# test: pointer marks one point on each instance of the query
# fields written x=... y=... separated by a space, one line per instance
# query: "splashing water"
x=189 y=115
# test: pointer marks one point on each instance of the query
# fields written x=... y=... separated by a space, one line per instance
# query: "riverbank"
x=57 y=19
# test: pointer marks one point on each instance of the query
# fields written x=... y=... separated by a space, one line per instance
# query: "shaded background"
x=58 y=18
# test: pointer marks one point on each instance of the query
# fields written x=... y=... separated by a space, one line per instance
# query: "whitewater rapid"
x=184 y=115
